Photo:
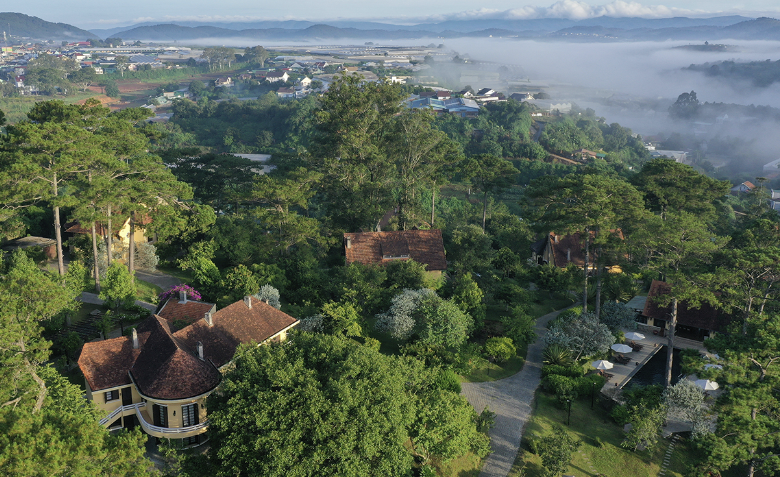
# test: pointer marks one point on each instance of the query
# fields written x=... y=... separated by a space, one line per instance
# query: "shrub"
x=192 y=294
x=519 y=326
x=500 y=349
x=587 y=384
x=563 y=387
x=573 y=371
x=448 y=380
x=558 y=355
x=146 y=256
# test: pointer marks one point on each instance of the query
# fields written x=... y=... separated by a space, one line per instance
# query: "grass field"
x=146 y=291
x=16 y=109
x=599 y=452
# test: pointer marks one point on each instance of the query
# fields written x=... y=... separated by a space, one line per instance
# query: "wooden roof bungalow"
x=422 y=246
x=692 y=323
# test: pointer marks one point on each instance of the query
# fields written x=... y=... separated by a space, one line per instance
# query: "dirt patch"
x=104 y=100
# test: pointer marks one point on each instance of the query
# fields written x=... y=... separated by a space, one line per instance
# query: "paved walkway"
x=511 y=399
x=160 y=279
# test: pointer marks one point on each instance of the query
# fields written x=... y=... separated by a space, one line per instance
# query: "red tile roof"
x=705 y=317
x=168 y=369
x=105 y=363
x=166 y=365
x=423 y=246
x=191 y=311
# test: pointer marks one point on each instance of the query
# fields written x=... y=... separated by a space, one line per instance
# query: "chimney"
x=200 y=351
x=556 y=239
x=182 y=296
x=248 y=301
x=568 y=255
x=349 y=242
x=135 y=339
x=266 y=301
x=209 y=318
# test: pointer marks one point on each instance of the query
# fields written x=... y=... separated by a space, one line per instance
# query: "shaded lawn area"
x=465 y=466
x=600 y=440
x=146 y=291
x=495 y=371
x=554 y=303
x=186 y=276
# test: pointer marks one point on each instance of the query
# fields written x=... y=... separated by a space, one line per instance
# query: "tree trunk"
x=766 y=297
x=484 y=212
x=95 y=267
x=752 y=466
x=598 y=283
x=131 y=248
x=670 y=343
x=433 y=203
x=57 y=230
x=109 y=238
x=585 y=266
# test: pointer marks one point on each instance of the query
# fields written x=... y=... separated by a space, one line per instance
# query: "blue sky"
x=106 y=14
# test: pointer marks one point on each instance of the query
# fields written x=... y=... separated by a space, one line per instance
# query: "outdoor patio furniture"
x=635 y=346
x=622 y=359
x=607 y=376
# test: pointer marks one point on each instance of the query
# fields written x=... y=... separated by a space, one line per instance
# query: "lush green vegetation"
x=343 y=162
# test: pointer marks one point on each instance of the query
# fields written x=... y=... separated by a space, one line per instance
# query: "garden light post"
x=568 y=418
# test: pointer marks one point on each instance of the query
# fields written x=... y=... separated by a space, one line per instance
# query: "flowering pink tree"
x=174 y=292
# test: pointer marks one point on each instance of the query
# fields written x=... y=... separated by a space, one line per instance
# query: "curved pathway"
x=511 y=400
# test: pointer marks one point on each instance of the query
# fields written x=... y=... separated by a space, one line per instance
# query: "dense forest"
x=381 y=350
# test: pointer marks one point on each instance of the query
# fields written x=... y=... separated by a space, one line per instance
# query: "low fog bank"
x=635 y=83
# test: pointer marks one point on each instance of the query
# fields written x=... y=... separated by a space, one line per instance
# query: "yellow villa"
x=159 y=378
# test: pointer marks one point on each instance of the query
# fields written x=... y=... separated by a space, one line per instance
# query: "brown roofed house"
x=561 y=250
x=159 y=378
x=422 y=246
x=692 y=323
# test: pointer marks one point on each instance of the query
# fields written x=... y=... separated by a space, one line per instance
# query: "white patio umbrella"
x=602 y=364
x=621 y=348
x=634 y=336
x=706 y=384
x=711 y=366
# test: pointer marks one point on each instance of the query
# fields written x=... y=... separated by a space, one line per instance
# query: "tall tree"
x=489 y=174
x=256 y=54
x=28 y=296
x=419 y=152
x=680 y=248
x=350 y=150
x=748 y=430
x=38 y=158
x=671 y=186
x=594 y=206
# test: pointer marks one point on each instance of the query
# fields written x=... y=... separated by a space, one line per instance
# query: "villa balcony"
x=170 y=432
x=140 y=411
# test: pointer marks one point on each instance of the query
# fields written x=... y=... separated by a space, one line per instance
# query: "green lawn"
x=600 y=440
x=146 y=291
x=465 y=466
x=494 y=371
x=185 y=276
x=554 y=303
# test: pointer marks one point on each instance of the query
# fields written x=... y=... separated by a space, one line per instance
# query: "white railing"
x=169 y=430
x=119 y=410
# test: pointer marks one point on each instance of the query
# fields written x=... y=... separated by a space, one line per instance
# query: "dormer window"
x=394 y=257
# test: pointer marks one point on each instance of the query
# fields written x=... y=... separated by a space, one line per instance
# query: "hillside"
x=594 y=29
x=21 y=25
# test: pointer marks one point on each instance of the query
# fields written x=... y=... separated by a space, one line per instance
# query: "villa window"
x=112 y=395
x=189 y=415
x=160 y=415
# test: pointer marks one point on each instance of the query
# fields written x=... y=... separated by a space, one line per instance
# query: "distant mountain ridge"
x=19 y=24
x=593 y=29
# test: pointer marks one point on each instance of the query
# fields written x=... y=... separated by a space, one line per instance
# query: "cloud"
x=575 y=10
